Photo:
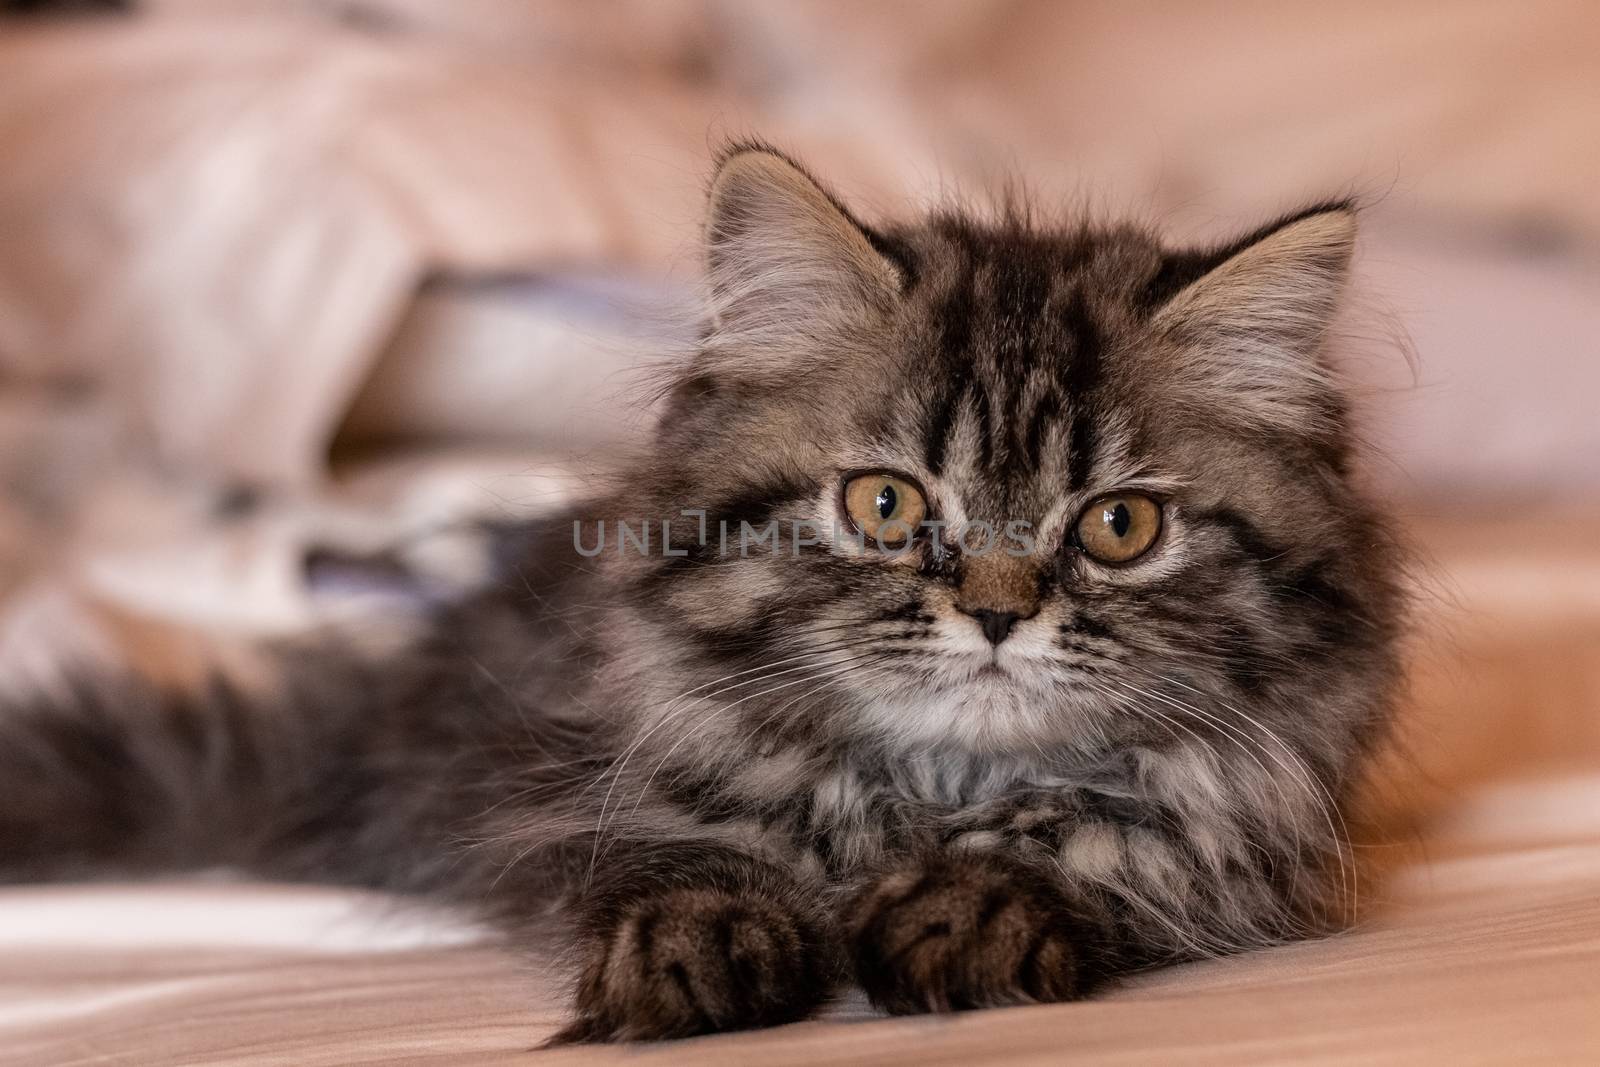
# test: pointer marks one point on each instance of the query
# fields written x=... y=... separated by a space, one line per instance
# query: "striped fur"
x=736 y=781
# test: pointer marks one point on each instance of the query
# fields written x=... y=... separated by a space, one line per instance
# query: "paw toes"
x=966 y=935
x=698 y=962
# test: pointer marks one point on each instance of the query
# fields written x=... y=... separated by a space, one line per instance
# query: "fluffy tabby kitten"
x=741 y=774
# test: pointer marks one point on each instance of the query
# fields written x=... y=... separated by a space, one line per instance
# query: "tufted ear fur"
x=788 y=264
x=1249 y=325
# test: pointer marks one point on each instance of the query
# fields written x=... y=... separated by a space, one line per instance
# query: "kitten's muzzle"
x=998 y=591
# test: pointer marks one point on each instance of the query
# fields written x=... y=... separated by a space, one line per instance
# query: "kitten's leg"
x=1040 y=896
x=695 y=938
x=949 y=932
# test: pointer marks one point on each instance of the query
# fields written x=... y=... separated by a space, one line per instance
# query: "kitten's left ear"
x=785 y=257
x=1254 y=319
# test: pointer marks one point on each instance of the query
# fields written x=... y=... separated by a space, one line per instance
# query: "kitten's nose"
x=998 y=590
x=996 y=624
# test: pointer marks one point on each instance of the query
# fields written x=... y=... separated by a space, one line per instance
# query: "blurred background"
x=291 y=288
x=290 y=283
x=285 y=282
x=293 y=282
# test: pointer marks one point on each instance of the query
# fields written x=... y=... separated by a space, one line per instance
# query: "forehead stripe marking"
x=955 y=340
x=979 y=397
x=1082 y=377
x=1045 y=412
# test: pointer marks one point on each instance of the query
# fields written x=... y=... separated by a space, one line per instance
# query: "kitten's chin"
x=981 y=703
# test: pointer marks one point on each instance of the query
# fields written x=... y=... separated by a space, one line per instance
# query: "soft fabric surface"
x=1488 y=949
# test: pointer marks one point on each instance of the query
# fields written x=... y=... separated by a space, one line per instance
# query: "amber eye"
x=1119 y=527
x=885 y=508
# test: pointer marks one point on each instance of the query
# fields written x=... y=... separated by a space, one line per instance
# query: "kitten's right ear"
x=786 y=259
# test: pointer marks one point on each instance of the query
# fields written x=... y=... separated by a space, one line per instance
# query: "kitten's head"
x=1153 y=437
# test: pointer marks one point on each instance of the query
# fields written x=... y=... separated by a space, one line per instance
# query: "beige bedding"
x=1487 y=951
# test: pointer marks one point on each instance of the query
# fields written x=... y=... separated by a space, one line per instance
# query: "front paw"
x=696 y=961
x=953 y=933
